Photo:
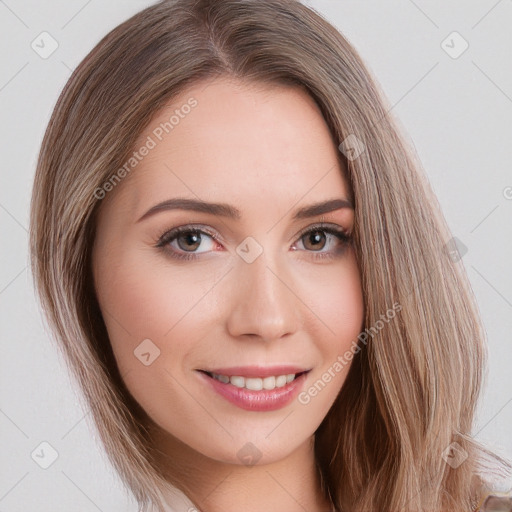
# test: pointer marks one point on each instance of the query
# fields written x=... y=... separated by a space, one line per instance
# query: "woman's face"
x=262 y=283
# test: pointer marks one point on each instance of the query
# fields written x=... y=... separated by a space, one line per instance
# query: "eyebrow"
x=228 y=211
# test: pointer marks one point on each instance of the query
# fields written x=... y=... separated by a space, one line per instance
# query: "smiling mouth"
x=256 y=383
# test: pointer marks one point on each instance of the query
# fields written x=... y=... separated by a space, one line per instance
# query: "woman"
x=258 y=372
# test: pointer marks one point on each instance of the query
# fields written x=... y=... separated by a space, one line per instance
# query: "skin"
x=266 y=151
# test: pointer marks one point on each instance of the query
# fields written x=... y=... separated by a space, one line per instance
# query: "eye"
x=317 y=238
x=186 y=239
x=183 y=242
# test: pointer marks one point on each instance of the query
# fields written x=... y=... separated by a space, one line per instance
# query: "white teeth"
x=280 y=381
x=256 y=383
x=239 y=382
x=269 y=382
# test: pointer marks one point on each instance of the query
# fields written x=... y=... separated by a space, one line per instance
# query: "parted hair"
x=412 y=389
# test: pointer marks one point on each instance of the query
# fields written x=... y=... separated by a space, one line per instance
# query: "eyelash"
x=170 y=235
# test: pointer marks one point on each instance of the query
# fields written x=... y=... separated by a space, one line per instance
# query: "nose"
x=263 y=303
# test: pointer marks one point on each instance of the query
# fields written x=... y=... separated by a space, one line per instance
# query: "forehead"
x=237 y=143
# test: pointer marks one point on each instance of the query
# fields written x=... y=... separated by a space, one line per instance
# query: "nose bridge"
x=263 y=305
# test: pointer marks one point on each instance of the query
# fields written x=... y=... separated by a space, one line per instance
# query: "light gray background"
x=456 y=111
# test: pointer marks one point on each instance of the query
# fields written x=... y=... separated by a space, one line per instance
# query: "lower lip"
x=264 y=400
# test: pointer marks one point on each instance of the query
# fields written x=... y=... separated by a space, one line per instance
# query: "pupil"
x=316 y=237
x=191 y=239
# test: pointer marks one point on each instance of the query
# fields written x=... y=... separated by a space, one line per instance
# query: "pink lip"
x=258 y=371
x=264 y=400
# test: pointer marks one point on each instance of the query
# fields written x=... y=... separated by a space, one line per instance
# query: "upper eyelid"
x=326 y=226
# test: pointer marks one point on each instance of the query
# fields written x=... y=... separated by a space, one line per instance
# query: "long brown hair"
x=413 y=388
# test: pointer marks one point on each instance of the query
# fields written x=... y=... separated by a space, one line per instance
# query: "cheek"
x=338 y=307
x=135 y=301
x=336 y=301
x=154 y=317
x=143 y=297
x=344 y=307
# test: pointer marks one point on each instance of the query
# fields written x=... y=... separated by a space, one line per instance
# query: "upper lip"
x=258 y=371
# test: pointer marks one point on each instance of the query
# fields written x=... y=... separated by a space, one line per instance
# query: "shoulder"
x=496 y=503
x=495 y=496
